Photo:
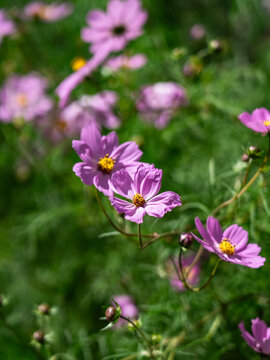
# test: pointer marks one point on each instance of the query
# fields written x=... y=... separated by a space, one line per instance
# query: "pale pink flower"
x=47 y=12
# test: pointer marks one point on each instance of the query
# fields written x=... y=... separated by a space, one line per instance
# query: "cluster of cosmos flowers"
x=132 y=186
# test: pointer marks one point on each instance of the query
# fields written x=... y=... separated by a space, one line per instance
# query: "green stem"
x=140 y=236
x=142 y=335
x=182 y=276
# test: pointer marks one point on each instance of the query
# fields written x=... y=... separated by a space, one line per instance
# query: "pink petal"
x=136 y=216
x=122 y=184
x=85 y=172
x=127 y=152
x=214 y=228
x=159 y=205
x=91 y=136
x=147 y=181
x=259 y=329
x=122 y=206
x=247 y=336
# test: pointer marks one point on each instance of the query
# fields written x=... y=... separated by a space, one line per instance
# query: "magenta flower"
x=260 y=338
x=126 y=62
x=7 y=26
x=128 y=308
x=142 y=191
x=47 y=12
x=89 y=109
x=23 y=97
x=258 y=120
x=157 y=103
x=192 y=278
x=230 y=245
x=108 y=32
x=102 y=156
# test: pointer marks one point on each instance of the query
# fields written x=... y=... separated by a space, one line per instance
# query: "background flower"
x=47 y=12
x=7 y=26
x=158 y=102
x=23 y=97
x=126 y=62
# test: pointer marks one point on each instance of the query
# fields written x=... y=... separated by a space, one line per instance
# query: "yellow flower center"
x=77 y=63
x=21 y=100
x=138 y=200
x=266 y=122
x=106 y=164
x=226 y=247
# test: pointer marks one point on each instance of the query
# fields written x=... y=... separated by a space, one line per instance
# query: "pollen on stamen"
x=106 y=164
x=227 y=247
x=266 y=122
x=138 y=200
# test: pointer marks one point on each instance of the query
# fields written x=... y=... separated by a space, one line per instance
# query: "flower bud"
x=215 y=46
x=254 y=152
x=39 y=336
x=111 y=314
x=245 y=158
x=156 y=338
x=185 y=240
x=44 y=309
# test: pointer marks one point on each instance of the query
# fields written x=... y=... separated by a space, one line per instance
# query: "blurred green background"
x=51 y=245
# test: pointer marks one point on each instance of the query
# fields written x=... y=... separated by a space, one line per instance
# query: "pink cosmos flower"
x=260 y=338
x=192 y=278
x=7 y=26
x=47 y=12
x=102 y=156
x=107 y=32
x=89 y=109
x=258 y=120
x=23 y=97
x=128 y=308
x=142 y=191
x=157 y=103
x=230 y=245
x=126 y=62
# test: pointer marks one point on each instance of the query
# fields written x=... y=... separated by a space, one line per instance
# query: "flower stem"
x=182 y=275
x=113 y=224
x=142 y=335
x=140 y=236
x=251 y=181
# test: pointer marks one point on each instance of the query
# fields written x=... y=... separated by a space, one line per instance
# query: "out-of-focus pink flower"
x=128 y=308
x=47 y=12
x=157 y=103
x=7 y=26
x=102 y=156
x=192 y=277
x=258 y=120
x=260 y=338
x=197 y=32
x=127 y=62
x=97 y=109
x=142 y=193
x=230 y=245
x=113 y=29
x=107 y=32
x=23 y=97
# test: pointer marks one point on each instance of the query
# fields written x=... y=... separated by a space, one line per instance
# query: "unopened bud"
x=186 y=240
x=156 y=338
x=39 y=336
x=189 y=70
x=44 y=309
x=111 y=314
x=245 y=158
x=215 y=46
x=179 y=53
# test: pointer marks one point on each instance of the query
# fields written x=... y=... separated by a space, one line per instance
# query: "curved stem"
x=182 y=276
x=251 y=181
x=142 y=335
x=112 y=223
